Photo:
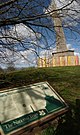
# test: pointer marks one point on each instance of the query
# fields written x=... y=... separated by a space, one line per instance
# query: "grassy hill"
x=65 y=80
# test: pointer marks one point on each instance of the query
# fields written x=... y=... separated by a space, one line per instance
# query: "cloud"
x=19 y=33
x=76 y=54
x=23 y=31
x=47 y=53
x=24 y=58
x=69 y=46
x=20 y=58
x=76 y=50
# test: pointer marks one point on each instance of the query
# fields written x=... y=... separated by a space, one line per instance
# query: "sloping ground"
x=65 y=80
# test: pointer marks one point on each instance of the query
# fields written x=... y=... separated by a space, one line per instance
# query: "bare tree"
x=38 y=19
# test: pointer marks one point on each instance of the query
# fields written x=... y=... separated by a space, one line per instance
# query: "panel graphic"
x=24 y=105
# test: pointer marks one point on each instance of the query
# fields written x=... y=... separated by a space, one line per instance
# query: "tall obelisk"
x=61 y=47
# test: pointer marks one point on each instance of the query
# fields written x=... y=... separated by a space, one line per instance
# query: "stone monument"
x=61 y=48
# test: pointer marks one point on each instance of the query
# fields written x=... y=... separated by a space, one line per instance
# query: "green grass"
x=65 y=80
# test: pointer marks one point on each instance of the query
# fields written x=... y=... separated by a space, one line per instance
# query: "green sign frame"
x=29 y=106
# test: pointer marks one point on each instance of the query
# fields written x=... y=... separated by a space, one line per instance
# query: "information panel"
x=27 y=105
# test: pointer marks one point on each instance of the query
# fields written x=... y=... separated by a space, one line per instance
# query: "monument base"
x=63 y=53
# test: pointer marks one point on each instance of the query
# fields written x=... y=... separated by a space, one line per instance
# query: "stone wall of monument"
x=64 y=53
x=59 y=61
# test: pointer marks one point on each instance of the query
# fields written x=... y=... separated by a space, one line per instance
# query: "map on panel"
x=24 y=105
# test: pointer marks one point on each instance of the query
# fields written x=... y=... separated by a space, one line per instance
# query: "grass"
x=65 y=80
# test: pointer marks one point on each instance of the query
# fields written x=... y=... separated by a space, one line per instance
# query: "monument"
x=61 y=48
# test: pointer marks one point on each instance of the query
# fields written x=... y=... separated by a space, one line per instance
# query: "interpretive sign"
x=29 y=106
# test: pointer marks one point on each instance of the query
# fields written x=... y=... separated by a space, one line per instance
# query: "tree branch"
x=7 y=3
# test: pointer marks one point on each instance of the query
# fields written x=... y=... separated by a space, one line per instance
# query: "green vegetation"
x=65 y=80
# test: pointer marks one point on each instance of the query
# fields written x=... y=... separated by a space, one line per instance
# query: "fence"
x=59 y=61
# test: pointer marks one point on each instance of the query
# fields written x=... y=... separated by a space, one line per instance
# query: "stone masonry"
x=61 y=48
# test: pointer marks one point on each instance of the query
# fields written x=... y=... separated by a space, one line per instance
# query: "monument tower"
x=61 y=48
